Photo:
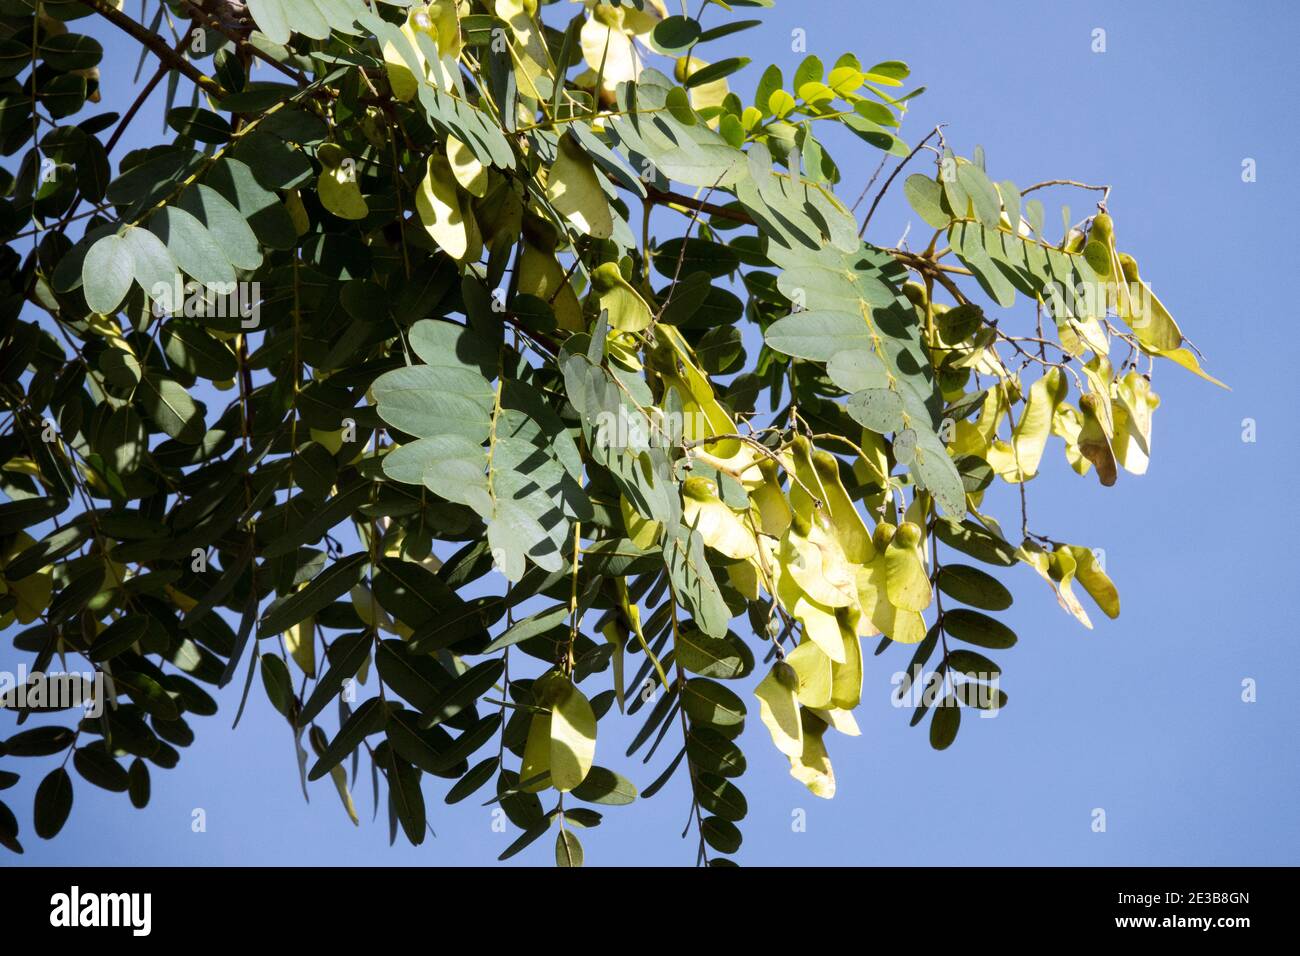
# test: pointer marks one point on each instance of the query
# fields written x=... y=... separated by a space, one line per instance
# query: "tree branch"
x=661 y=198
x=897 y=169
x=157 y=44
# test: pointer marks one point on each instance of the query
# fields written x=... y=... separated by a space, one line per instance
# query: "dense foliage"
x=463 y=376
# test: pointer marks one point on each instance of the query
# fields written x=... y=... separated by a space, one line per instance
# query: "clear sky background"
x=1142 y=717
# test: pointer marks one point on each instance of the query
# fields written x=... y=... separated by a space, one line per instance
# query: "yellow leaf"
x=1187 y=360
x=403 y=82
x=628 y=312
x=744 y=578
x=368 y=609
x=1089 y=573
x=1030 y=435
x=573 y=738
x=443 y=27
x=541 y=275
x=300 y=640
x=32 y=593
x=469 y=172
x=812 y=767
x=841 y=720
x=846 y=523
x=632 y=612
x=778 y=708
x=180 y=599
x=528 y=49
x=818 y=566
x=1093 y=443
x=721 y=528
x=1133 y=408
x=704 y=414
x=846 y=677
x=907 y=586
x=1151 y=322
x=814 y=670
x=340 y=778
x=706 y=94
x=537 y=754
x=339 y=192
x=608 y=49
x=1057 y=569
x=642 y=531
x=616 y=634
x=297 y=212
x=439 y=206
x=819 y=622
x=1099 y=373
x=331 y=441
x=574 y=190
x=770 y=500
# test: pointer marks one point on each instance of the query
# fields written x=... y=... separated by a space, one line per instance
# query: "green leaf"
x=367 y=719
x=945 y=723
x=708 y=702
x=9 y=829
x=969 y=538
x=99 y=768
x=38 y=742
x=721 y=797
x=53 y=804
x=67 y=52
x=605 y=787
x=568 y=850
x=406 y=797
x=107 y=273
x=171 y=407
x=979 y=629
x=974 y=587
x=147 y=694
x=926 y=197
x=474 y=778
x=711 y=751
x=963 y=661
x=464 y=691
x=273 y=18
x=119 y=636
x=199 y=124
x=725 y=658
x=224 y=224
x=335 y=581
x=192 y=247
x=983 y=195
x=818 y=335
x=721 y=834
x=674 y=34
x=347 y=654
x=138 y=784
x=24 y=513
x=716 y=71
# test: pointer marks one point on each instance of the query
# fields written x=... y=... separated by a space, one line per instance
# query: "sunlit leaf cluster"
x=467 y=379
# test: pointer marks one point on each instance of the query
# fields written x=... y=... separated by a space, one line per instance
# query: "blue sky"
x=1141 y=717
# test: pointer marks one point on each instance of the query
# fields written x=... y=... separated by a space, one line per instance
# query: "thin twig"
x=897 y=169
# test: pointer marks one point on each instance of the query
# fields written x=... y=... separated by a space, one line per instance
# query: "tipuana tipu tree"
x=559 y=387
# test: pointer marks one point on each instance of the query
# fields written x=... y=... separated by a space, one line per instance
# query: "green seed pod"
x=786 y=675
x=909 y=534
